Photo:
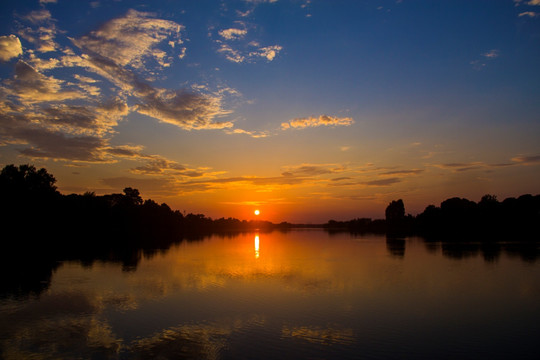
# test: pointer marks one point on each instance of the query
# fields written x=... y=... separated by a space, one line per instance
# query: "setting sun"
x=257 y=212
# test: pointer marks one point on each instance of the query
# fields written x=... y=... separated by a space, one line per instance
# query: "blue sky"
x=309 y=110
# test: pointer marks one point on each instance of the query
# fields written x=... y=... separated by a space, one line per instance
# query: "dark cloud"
x=527 y=160
x=30 y=86
x=404 y=172
x=383 y=182
x=56 y=145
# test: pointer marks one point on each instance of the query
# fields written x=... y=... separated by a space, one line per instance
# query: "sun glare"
x=257 y=212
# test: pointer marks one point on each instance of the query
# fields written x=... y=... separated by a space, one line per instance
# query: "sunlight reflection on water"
x=310 y=294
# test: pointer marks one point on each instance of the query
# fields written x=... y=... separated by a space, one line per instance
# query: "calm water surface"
x=296 y=295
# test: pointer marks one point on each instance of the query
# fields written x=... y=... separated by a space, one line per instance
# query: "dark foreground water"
x=297 y=295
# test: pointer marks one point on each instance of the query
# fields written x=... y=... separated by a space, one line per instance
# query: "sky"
x=308 y=110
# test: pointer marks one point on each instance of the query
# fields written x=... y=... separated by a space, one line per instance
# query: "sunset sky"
x=306 y=110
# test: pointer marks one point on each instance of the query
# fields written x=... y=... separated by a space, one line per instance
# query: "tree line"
x=459 y=219
x=32 y=207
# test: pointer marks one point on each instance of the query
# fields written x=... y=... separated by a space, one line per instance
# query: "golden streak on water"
x=257 y=246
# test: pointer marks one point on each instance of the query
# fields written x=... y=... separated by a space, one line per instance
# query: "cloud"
x=492 y=54
x=231 y=54
x=383 y=182
x=31 y=86
x=38 y=16
x=528 y=13
x=236 y=48
x=46 y=144
x=460 y=167
x=47 y=1
x=322 y=120
x=73 y=118
x=253 y=134
x=479 y=64
x=232 y=33
x=157 y=165
x=268 y=52
x=44 y=35
x=184 y=109
x=534 y=2
x=261 y=1
x=527 y=160
x=132 y=39
x=10 y=47
x=310 y=170
x=305 y=174
x=404 y=172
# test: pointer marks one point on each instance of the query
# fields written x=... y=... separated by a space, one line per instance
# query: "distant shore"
x=32 y=209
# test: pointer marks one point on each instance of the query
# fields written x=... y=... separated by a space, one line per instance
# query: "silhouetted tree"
x=395 y=217
x=26 y=179
x=395 y=211
x=133 y=196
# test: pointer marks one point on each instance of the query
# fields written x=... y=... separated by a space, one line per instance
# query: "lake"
x=303 y=294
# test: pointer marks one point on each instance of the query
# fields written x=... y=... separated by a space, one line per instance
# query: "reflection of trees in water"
x=395 y=246
x=491 y=251
x=21 y=278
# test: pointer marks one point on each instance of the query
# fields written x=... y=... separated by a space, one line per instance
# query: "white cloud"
x=10 y=47
x=232 y=34
x=47 y=1
x=322 y=120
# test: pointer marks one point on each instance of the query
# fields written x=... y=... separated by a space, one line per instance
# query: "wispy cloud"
x=531 y=14
x=254 y=134
x=492 y=54
x=10 y=47
x=322 y=120
x=382 y=182
x=404 y=172
x=527 y=160
x=489 y=55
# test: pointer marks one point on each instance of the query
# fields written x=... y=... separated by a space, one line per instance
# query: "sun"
x=257 y=212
